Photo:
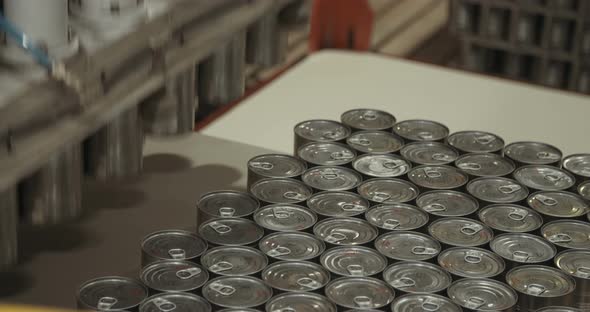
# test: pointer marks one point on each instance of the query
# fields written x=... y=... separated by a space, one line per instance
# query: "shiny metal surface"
x=421 y=130
x=519 y=248
x=345 y=231
x=230 y=232
x=476 y=142
x=266 y=42
x=417 y=277
x=568 y=234
x=578 y=165
x=337 y=204
x=331 y=178
x=177 y=302
x=584 y=190
x=274 y=166
x=407 y=246
x=396 y=217
x=424 y=303
x=381 y=166
x=368 y=119
x=576 y=263
x=237 y=292
x=292 y=246
x=444 y=203
x=533 y=153
x=225 y=204
x=485 y=165
x=360 y=292
x=558 y=309
x=429 y=153
x=438 y=177
x=558 y=204
x=353 y=261
x=300 y=302
x=319 y=130
x=544 y=178
x=471 y=262
x=173 y=276
x=510 y=218
x=460 y=232
x=8 y=227
x=375 y=142
x=234 y=260
x=111 y=293
x=481 y=294
x=295 y=276
x=388 y=190
x=326 y=154
x=171 y=245
x=497 y=190
x=285 y=218
x=280 y=191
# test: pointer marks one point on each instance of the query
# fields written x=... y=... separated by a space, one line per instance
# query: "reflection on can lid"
x=460 y=232
x=230 y=231
x=168 y=275
x=238 y=310
x=559 y=204
x=388 y=190
x=331 y=178
x=292 y=246
x=345 y=231
x=567 y=233
x=177 y=302
x=438 y=177
x=471 y=262
x=406 y=245
x=234 y=260
x=111 y=293
x=417 y=277
x=237 y=292
x=558 y=309
x=375 y=142
x=173 y=245
x=397 y=217
x=445 y=203
x=326 y=154
x=285 y=217
x=575 y=263
x=510 y=218
x=424 y=302
x=228 y=204
x=296 y=276
x=578 y=164
x=337 y=204
x=368 y=119
x=482 y=294
x=322 y=130
x=359 y=292
x=280 y=191
x=523 y=248
x=497 y=190
x=277 y=166
x=381 y=166
x=353 y=261
x=540 y=281
x=485 y=165
x=429 y=153
x=421 y=130
x=584 y=190
x=544 y=178
x=300 y=302
x=534 y=153
x=476 y=142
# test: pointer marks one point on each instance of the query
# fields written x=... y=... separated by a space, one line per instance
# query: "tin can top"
x=237 y=292
x=173 y=245
x=285 y=217
x=326 y=153
x=296 y=276
x=234 y=260
x=417 y=277
x=540 y=281
x=578 y=164
x=318 y=130
x=359 y=292
x=230 y=231
x=482 y=294
x=429 y=153
x=510 y=218
x=345 y=231
x=445 y=203
x=331 y=178
x=172 y=275
x=421 y=130
x=111 y=293
x=558 y=309
x=558 y=204
x=471 y=262
x=353 y=261
x=337 y=204
x=388 y=190
x=300 y=302
x=280 y=191
x=381 y=166
x=523 y=248
x=497 y=190
x=575 y=263
x=485 y=165
x=424 y=302
x=238 y=310
x=277 y=166
x=398 y=217
x=567 y=233
x=438 y=177
x=406 y=245
x=375 y=142
x=584 y=190
x=476 y=142
x=228 y=204
x=368 y=119
x=460 y=232
x=534 y=153
x=177 y=301
x=292 y=246
x=544 y=178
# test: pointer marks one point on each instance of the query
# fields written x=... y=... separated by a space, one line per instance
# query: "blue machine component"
x=25 y=42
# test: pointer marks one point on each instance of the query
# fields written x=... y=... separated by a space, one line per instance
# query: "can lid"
x=567 y=233
x=417 y=277
x=482 y=294
x=398 y=217
x=440 y=177
x=353 y=261
x=406 y=245
x=177 y=302
x=476 y=142
x=540 y=281
x=322 y=130
x=510 y=218
x=558 y=204
x=345 y=231
x=388 y=190
x=337 y=204
x=228 y=204
x=575 y=263
x=292 y=246
x=359 y=292
x=230 y=231
x=584 y=190
x=234 y=260
x=424 y=302
x=277 y=166
x=445 y=203
x=368 y=119
x=238 y=310
x=173 y=245
x=485 y=165
x=534 y=153
x=381 y=166
x=578 y=164
x=544 y=178
x=497 y=190
x=280 y=191
x=460 y=232
x=237 y=292
x=326 y=153
x=296 y=276
x=111 y=293
x=558 y=309
x=331 y=178
x=172 y=275
x=300 y=302
x=523 y=248
x=375 y=142
x=429 y=153
x=421 y=130
x=471 y=262
x=285 y=217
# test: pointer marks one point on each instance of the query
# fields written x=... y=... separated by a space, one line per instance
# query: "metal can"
x=533 y=153
x=285 y=218
x=173 y=276
x=429 y=153
x=568 y=234
x=331 y=178
x=396 y=217
x=576 y=263
x=237 y=292
x=353 y=261
x=111 y=293
x=292 y=246
x=460 y=232
x=238 y=310
x=319 y=131
x=326 y=154
x=421 y=130
x=439 y=177
x=476 y=142
x=424 y=303
x=578 y=165
x=558 y=204
x=544 y=178
x=337 y=204
x=375 y=142
x=540 y=286
x=388 y=191
x=171 y=245
x=177 y=302
x=559 y=309
x=407 y=246
x=381 y=166
x=345 y=231
x=225 y=204
x=471 y=262
x=274 y=166
x=359 y=292
x=495 y=190
x=416 y=277
x=485 y=165
x=482 y=294
x=447 y=204
x=518 y=249
x=295 y=276
x=368 y=119
x=508 y=218
x=280 y=191
x=230 y=232
x=234 y=261
x=300 y=302
x=584 y=190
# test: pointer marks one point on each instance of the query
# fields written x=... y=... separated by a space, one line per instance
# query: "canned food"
x=234 y=261
x=274 y=166
x=280 y=191
x=482 y=294
x=388 y=191
x=326 y=154
x=576 y=263
x=230 y=232
x=359 y=292
x=171 y=245
x=429 y=153
x=237 y=292
x=447 y=203
x=285 y=218
x=172 y=275
x=485 y=165
x=519 y=248
x=177 y=302
x=319 y=131
x=471 y=262
x=381 y=166
x=417 y=277
x=421 y=130
x=375 y=142
x=300 y=302
x=398 y=217
x=578 y=165
x=568 y=234
x=533 y=153
x=331 y=178
x=292 y=246
x=439 y=177
x=559 y=309
x=111 y=293
x=353 y=261
x=239 y=310
x=295 y=276
x=424 y=302
x=584 y=190
x=476 y=142
x=225 y=204
x=345 y=231
x=408 y=246
x=337 y=204
x=544 y=178
x=368 y=119
x=494 y=190
x=460 y=232
x=510 y=218
x=559 y=204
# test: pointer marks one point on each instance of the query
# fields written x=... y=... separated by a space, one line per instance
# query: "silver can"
x=508 y=218
x=416 y=277
x=300 y=302
x=280 y=191
x=438 y=177
x=476 y=142
x=111 y=293
x=429 y=153
x=381 y=166
x=578 y=165
x=368 y=119
x=447 y=204
x=171 y=245
x=237 y=292
x=177 y=302
x=567 y=234
x=295 y=276
x=518 y=249
x=8 y=227
x=460 y=232
x=326 y=154
x=225 y=204
x=407 y=246
x=359 y=292
x=559 y=205
x=584 y=190
x=533 y=153
x=559 y=309
x=292 y=246
x=494 y=190
x=482 y=294
x=337 y=204
x=230 y=232
x=421 y=130
x=375 y=142
x=576 y=263
x=388 y=191
x=331 y=178
x=345 y=231
x=396 y=217
x=471 y=262
x=285 y=218
x=485 y=165
x=544 y=178
x=319 y=131
x=424 y=303
x=238 y=310
x=173 y=276
x=274 y=166
x=234 y=261
x=353 y=261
